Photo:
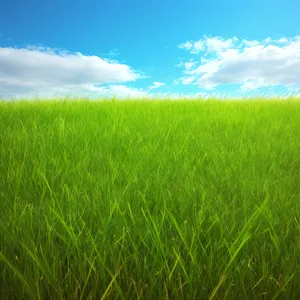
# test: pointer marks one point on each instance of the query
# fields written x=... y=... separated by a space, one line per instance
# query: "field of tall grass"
x=150 y=199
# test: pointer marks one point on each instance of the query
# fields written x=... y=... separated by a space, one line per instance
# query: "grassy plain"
x=150 y=199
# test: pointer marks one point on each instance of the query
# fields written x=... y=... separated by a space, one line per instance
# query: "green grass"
x=150 y=200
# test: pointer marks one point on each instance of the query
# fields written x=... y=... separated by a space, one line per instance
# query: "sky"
x=152 y=48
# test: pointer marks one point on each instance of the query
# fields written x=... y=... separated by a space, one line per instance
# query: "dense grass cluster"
x=150 y=200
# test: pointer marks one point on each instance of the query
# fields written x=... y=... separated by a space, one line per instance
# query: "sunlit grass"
x=150 y=199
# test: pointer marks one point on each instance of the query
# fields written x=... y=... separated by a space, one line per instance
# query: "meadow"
x=152 y=199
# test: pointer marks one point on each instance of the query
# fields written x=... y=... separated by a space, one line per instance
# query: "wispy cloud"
x=156 y=85
x=208 y=44
x=249 y=63
x=185 y=80
x=187 y=65
x=113 y=53
x=187 y=45
x=39 y=70
x=122 y=91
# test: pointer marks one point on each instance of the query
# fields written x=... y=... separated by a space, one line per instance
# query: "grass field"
x=150 y=200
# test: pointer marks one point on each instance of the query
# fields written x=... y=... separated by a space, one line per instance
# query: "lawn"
x=149 y=199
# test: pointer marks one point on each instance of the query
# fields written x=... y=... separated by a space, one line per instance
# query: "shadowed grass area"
x=150 y=199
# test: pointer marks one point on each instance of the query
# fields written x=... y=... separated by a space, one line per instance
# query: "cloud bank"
x=251 y=64
x=39 y=70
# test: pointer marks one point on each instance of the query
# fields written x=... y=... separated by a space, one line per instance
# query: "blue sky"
x=141 y=48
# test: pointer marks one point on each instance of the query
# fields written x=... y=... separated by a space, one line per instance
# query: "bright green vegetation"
x=150 y=200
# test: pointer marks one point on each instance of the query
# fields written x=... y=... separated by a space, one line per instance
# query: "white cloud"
x=283 y=41
x=268 y=40
x=188 y=79
x=156 y=85
x=39 y=70
x=252 y=64
x=188 y=65
x=250 y=43
x=185 y=80
x=208 y=44
x=187 y=45
x=122 y=91
x=198 y=47
x=217 y=44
